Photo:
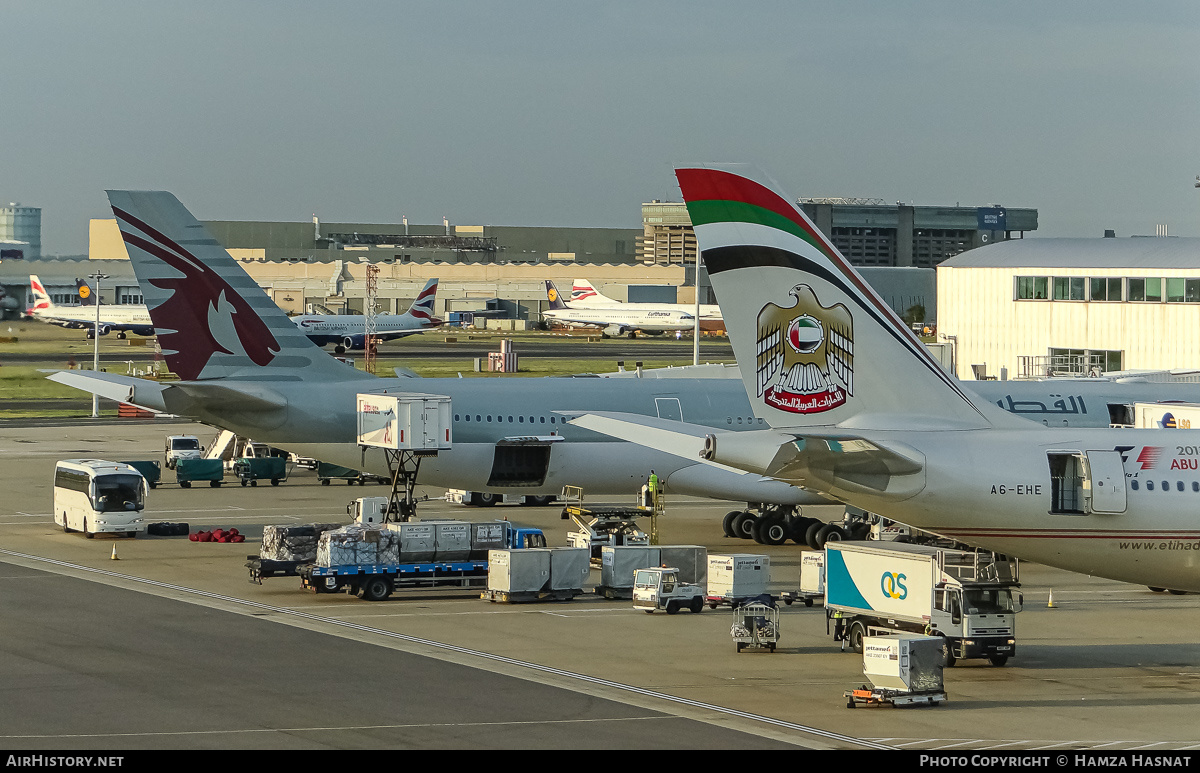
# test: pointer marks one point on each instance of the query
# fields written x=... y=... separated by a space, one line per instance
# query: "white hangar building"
x=1039 y=307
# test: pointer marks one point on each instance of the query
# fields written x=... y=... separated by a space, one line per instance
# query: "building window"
x=1145 y=289
x=1032 y=288
x=1069 y=288
x=1105 y=288
x=1175 y=289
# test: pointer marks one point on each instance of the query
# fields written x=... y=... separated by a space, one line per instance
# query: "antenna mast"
x=369 y=340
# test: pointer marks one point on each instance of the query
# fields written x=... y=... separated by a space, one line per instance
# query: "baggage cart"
x=151 y=470
x=327 y=472
x=755 y=625
x=188 y=471
x=252 y=469
x=879 y=696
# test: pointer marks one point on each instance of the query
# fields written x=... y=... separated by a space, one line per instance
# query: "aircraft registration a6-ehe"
x=858 y=409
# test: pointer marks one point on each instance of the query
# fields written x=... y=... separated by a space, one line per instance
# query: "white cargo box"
x=405 y=422
x=518 y=571
x=369 y=510
x=569 y=568
x=619 y=562
x=903 y=661
x=1167 y=415
x=738 y=576
x=812 y=573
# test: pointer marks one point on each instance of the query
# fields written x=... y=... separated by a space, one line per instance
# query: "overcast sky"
x=574 y=113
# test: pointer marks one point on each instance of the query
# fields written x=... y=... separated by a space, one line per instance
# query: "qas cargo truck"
x=965 y=598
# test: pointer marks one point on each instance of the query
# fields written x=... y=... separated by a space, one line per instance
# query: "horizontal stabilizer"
x=672 y=437
x=113 y=386
x=832 y=462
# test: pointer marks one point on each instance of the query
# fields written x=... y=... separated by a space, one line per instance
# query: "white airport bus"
x=95 y=496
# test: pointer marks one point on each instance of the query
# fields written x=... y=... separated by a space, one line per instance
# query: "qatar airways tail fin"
x=212 y=319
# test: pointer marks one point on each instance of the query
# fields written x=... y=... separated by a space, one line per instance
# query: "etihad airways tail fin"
x=816 y=344
x=212 y=319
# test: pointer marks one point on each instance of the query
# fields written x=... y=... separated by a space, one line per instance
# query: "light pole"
x=696 y=331
x=96 y=277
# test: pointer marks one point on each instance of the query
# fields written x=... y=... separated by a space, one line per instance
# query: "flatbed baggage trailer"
x=328 y=472
x=266 y=567
x=375 y=582
x=520 y=597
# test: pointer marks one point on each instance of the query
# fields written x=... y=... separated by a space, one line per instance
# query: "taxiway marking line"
x=333 y=728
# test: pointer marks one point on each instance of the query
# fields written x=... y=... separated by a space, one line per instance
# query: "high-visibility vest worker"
x=652 y=488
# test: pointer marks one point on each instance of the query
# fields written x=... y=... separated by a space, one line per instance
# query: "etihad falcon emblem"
x=805 y=354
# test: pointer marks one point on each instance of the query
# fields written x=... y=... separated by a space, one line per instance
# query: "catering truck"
x=964 y=597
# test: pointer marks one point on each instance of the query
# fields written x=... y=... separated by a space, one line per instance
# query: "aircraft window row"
x=1166 y=485
x=482 y=418
x=738 y=420
x=1107 y=288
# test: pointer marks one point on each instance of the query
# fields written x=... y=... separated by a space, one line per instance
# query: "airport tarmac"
x=172 y=647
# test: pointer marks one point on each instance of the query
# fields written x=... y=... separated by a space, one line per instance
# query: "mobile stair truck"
x=963 y=597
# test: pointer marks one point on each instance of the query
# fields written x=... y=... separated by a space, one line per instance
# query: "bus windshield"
x=118 y=492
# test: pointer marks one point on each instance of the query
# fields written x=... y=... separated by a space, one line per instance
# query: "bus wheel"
x=87 y=533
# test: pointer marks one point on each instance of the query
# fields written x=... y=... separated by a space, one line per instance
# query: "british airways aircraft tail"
x=421 y=309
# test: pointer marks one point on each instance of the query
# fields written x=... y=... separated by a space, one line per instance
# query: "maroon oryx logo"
x=204 y=314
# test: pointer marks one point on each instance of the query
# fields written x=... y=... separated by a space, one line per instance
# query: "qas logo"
x=892 y=585
x=805 y=354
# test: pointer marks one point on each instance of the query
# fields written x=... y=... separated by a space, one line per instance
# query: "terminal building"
x=866 y=231
x=500 y=270
x=1072 y=307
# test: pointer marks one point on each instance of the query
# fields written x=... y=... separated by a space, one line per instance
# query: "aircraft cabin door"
x=668 y=408
x=1107 y=477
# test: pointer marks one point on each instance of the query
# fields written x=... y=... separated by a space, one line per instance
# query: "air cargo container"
x=735 y=578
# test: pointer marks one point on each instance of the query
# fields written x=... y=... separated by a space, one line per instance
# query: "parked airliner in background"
x=585 y=296
x=122 y=318
x=625 y=319
x=348 y=331
x=859 y=410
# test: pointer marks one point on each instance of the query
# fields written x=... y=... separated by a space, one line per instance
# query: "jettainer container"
x=734 y=578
